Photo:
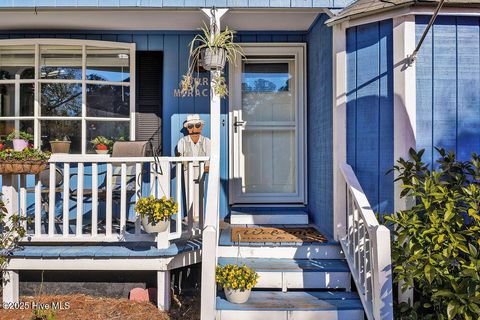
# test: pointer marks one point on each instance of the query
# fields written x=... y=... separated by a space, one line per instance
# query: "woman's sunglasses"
x=197 y=125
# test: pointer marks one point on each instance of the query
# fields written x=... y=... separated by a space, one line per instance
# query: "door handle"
x=237 y=123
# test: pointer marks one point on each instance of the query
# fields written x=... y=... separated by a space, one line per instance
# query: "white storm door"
x=267 y=126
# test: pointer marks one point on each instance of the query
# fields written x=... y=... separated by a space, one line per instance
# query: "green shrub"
x=11 y=231
x=436 y=242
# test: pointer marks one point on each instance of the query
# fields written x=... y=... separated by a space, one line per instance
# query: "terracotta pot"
x=19 y=144
x=60 y=146
x=213 y=59
x=237 y=296
x=161 y=226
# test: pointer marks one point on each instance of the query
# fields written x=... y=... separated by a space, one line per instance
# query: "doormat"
x=269 y=234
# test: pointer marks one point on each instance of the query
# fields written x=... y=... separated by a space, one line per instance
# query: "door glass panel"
x=269 y=135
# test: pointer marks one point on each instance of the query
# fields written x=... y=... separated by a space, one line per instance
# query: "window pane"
x=61 y=62
x=114 y=130
x=108 y=64
x=20 y=125
x=61 y=99
x=108 y=101
x=7 y=100
x=17 y=61
x=56 y=129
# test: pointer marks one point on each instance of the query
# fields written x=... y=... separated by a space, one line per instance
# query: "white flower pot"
x=213 y=59
x=101 y=151
x=161 y=226
x=237 y=296
x=19 y=144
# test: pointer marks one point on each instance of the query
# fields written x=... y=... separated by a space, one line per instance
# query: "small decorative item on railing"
x=102 y=144
x=156 y=213
x=237 y=281
x=27 y=161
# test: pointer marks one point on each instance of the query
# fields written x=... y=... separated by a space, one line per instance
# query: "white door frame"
x=298 y=50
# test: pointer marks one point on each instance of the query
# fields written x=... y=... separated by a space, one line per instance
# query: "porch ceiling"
x=154 y=19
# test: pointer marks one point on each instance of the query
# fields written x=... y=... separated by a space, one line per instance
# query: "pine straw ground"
x=97 y=308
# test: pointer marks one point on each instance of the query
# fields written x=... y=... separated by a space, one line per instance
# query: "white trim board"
x=269 y=217
x=153 y=19
x=403 y=11
x=110 y=263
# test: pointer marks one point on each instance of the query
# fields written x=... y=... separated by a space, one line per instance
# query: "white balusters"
x=23 y=199
x=109 y=201
x=66 y=198
x=94 y=199
x=138 y=185
x=51 y=200
x=123 y=197
x=190 y=195
x=104 y=183
x=367 y=252
x=80 y=185
x=179 y=193
x=38 y=206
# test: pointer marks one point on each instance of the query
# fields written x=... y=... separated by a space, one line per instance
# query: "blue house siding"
x=175 y=57
x=319 y=126
x=448 y=86
x=370 y=110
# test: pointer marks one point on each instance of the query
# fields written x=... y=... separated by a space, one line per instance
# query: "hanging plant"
x=211 y=51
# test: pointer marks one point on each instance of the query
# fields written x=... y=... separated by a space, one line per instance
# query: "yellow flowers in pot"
x=156 y=213
x=237 y=281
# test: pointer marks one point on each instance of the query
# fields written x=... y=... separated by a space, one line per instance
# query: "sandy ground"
x=79 y=307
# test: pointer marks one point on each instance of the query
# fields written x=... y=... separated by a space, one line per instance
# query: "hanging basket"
x=213 y=59
x=22 y=167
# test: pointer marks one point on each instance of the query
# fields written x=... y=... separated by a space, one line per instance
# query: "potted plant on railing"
x=237 y=281
x=102 y=144
x=61 y=145
x=155 y=213
x=27 y=161
x=20 y=139
x=211 y=51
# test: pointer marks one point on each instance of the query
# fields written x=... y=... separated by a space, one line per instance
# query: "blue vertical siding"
x=370 y=110
x=319 y=126
x=448 y=86
x=175 y=54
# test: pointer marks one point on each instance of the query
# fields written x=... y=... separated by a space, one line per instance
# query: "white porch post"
x=210 y=232
x=339 y=128
x=163 y=290
x=404 y=107
x=10 y=277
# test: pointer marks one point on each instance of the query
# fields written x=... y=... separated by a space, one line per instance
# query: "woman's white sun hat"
x=192 y=119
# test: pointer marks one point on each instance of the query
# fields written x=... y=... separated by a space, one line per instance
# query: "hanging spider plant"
x=211 y=51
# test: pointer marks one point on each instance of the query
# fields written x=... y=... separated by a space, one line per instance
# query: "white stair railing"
x=366 y=245
x=75 y=182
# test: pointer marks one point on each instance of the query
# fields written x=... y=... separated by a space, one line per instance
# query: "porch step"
x=325 y=305
x=281 y=250
x=269 y=217
x=297 y=274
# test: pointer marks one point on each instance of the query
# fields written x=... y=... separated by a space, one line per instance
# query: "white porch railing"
x=90 y=198
x=367 y=249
